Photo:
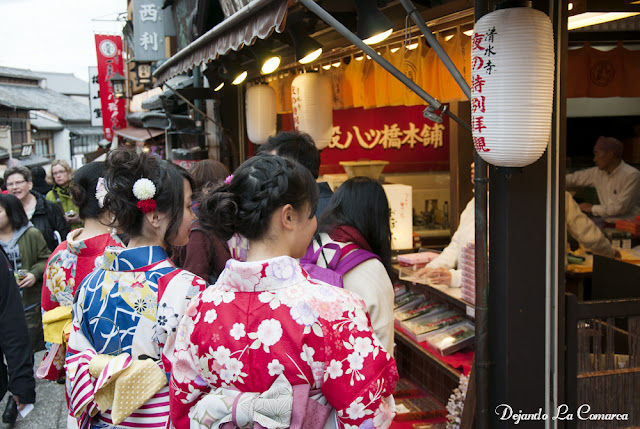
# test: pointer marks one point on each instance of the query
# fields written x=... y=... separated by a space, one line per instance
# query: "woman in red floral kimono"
x=267 y=344
x=75 y=258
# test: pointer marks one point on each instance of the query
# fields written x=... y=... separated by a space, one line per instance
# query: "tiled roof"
x=66 y=83
x=19 y=73
x=36 y=98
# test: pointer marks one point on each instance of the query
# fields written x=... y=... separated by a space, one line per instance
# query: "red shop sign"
x=398 y=134
x=109 y=51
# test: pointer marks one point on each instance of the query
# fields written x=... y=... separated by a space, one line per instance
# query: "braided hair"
x=259 y=186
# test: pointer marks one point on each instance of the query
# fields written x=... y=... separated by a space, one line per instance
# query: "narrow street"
x=50 y=409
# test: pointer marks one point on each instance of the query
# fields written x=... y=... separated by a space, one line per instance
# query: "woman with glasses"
x=45 y=215
x=61 y=195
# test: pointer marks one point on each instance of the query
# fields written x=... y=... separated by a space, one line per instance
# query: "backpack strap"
x=353 y=259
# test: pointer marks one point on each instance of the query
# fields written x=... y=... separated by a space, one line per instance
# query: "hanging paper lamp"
x=512 y=73
x=312 y=104
x=261 y=113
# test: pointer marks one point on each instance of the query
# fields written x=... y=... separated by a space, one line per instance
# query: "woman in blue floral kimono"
x=267 y=346
x=125 y=317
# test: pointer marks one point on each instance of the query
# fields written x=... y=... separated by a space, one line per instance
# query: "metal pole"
x=482 y=361
x=344 y=31
x=435 y=45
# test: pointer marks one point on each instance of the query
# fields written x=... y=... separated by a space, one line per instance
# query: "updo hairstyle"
x=260 y=185
x=124 y=167
x=83 y=189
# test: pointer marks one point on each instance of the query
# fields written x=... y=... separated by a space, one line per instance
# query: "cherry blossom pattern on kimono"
x=263 y=319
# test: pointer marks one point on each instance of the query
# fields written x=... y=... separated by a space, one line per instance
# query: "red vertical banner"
x=109 y=50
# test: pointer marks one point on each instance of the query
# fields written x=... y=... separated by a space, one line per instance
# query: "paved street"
x=50 y=407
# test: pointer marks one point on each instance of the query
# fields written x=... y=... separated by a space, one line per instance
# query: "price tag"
x=471 y=312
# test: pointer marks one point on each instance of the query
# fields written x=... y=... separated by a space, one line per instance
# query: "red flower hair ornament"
x=144 y=190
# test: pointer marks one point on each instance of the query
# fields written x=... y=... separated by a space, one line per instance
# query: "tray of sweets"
x=453 y=338
x=420 y=327
x=414 y=303
x=406 y=299
x=428 y=307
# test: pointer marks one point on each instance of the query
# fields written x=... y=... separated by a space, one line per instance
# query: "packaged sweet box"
x=420 y=327
x=399 y=289
x=428 y=307
x=406 y=298
x=452 y=338
x=416 y=260
x=413 y=300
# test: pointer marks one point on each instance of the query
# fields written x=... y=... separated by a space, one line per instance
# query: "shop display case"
x=434 y=360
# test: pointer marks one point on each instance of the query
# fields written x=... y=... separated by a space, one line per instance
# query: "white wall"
x=62 y=145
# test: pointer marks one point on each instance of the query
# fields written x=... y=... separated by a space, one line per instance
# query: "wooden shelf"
x=424 y=368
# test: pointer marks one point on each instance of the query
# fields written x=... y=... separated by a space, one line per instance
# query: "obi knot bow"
x=279 y=407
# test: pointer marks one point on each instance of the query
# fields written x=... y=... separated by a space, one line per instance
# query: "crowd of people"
x=153 y=316
x=207 y=299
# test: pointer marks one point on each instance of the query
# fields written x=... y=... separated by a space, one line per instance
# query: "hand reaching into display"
x=586 y=207
x=436 y=276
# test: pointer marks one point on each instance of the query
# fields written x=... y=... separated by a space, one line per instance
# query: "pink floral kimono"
x=266 y=346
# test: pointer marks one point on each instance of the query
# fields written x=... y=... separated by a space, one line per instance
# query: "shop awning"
x=138 y=134
x=45 y=124
x=258 y=19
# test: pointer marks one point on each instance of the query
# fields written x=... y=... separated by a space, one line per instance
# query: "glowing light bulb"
x=311 y=57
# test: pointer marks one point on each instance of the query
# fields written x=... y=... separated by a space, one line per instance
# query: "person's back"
x=17 y=375
x=266 y=327
x=358 y=214
x=205 y=255
x=130 y=306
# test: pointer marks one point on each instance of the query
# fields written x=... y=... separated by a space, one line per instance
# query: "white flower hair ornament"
x=144 y=190
x=101 y=191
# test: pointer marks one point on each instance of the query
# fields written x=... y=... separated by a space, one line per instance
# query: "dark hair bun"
x=259 y=186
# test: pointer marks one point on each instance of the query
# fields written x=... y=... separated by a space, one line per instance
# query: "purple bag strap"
x=353 y=259
x=312 y=257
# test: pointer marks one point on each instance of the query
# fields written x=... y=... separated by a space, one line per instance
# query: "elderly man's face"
x=602 y=158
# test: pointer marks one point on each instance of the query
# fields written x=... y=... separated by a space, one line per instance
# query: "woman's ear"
x=287 y=217
x=154 y=219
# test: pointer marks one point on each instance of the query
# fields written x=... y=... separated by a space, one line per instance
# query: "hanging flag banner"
x=148 y=29
x=109 y=50
x=94 y=98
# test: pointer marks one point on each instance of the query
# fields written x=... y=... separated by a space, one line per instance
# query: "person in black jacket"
x=15 y=346
x=45 y=215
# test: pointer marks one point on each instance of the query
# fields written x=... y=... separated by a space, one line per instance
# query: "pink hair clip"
x=228 y=180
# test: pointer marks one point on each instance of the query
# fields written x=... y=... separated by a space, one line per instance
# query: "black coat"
x=15 y=345
x=48 y=217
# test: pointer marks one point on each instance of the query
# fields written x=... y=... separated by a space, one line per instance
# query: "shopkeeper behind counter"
x=617 y=183
x=444 y=269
